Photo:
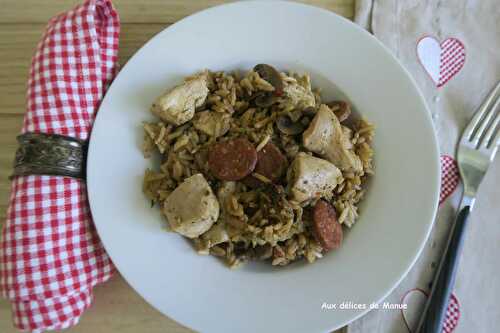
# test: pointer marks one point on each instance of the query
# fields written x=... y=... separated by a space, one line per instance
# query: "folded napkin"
x=51 y=256
x=452 y=49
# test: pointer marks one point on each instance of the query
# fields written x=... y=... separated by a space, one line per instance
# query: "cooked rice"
x=260 y=224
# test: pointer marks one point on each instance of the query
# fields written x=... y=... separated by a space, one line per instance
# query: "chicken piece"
x=192 y=208
x=325 y=137
x=216 y=235
x=178 y=105
x=312 y=177
x=212 y=123
x=318 y=136
x=297 y=96
x=348 y=136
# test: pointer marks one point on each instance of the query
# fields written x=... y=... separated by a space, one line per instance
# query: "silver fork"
x=476 y=151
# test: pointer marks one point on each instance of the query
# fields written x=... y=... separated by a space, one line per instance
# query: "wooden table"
x=117 y=308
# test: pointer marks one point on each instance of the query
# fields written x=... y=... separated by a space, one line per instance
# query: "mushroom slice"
x=287 y=126
x=271 y=75
x=309 y=111
x=264 y=99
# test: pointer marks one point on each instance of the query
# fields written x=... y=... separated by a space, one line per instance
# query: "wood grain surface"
x=117 y=307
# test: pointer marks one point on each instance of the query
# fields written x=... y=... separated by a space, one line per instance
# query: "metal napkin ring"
x=50 y=154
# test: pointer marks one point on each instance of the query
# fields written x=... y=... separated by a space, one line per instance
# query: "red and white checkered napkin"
x=51 y=256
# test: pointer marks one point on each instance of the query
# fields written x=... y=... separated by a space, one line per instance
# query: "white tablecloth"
x=401 y=25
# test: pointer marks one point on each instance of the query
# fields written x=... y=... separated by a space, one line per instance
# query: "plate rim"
x=435 y=146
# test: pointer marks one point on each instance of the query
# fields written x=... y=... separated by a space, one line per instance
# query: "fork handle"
x=437 y=304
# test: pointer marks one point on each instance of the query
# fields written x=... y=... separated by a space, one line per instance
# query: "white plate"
x=396 y=216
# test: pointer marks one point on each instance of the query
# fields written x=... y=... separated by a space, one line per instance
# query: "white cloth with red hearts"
x=452 y=49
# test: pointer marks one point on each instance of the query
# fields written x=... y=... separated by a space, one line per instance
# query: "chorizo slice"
x=327 y=229
x=271 y=163
x=233 y=159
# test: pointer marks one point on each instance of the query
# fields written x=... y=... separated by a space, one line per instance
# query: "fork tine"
x=485 y=124
x=472 y=127
x=495 y=142
x=488 y=140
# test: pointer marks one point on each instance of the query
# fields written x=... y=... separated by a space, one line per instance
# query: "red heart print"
x=415 y=300
x=441 y=61
x=450 y=177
